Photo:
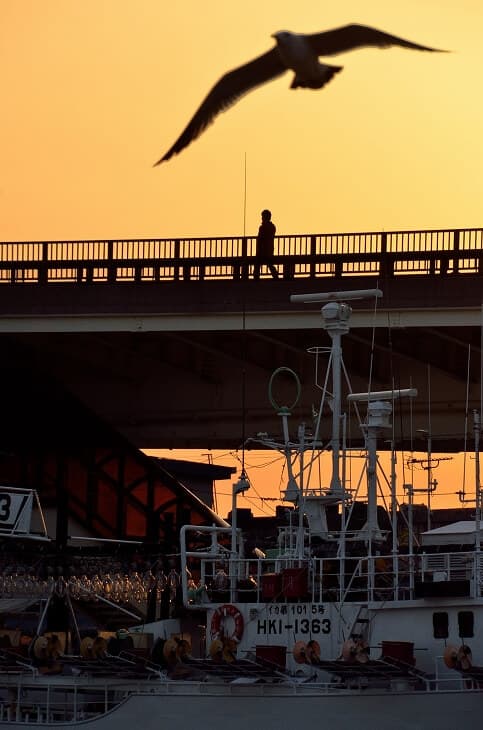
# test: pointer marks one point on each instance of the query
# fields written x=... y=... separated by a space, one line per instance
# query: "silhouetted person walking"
x=265 y=243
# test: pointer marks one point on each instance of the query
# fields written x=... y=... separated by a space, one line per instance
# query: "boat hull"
x=276 y=708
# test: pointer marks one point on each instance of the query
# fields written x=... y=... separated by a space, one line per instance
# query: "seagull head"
x=282 y=36
x=291 y=45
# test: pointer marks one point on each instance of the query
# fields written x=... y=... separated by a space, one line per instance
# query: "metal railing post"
x=111 y=269
x=245 y=266
x=176 y=258
x=43 y=270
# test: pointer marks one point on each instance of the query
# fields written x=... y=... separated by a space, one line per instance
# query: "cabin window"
x=440 y=625
x=465 y=624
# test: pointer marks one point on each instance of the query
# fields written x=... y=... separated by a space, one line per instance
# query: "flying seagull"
x=293 y=51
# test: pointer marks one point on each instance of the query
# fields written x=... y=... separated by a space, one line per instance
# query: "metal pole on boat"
x=343 y=535
x=336 y=317
x=44 y=612
x=431 y=483
x=477 y=431
x=394 y=516
x=395 y=571
x=378 y=413
x=238 y=488
x=410 y=491
x=300 y=533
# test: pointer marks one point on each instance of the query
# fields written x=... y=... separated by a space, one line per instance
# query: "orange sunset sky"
x=95 y=91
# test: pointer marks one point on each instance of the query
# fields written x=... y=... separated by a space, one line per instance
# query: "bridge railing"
x=334 y=255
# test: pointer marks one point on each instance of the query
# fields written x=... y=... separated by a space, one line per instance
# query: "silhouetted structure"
x=265 y=244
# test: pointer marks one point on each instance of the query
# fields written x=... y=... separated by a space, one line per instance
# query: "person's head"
x=266 y=215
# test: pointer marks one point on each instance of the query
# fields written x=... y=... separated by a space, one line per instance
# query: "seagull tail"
x=326 y=73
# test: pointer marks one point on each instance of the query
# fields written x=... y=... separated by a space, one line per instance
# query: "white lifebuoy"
x=218 y=622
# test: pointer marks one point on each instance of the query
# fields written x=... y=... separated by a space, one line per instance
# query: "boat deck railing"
x=70 y=701
x=64 y=701
x=367 y=579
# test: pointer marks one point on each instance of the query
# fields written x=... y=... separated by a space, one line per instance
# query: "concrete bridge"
x=173 y=343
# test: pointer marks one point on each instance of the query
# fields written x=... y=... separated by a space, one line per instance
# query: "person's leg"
x=273 y=271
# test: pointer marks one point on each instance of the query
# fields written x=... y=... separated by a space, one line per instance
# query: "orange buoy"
x=299 y=652
x=450 y=656
x=219 y=622
x=313 y=652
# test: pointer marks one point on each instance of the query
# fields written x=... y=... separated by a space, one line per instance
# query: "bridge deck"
x=156 y=336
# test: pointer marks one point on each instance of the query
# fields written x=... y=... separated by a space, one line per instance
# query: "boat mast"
x=379 y=412
x=336 y=315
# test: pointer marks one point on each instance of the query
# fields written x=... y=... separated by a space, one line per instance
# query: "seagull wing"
x=348 y=37
x=225 y=93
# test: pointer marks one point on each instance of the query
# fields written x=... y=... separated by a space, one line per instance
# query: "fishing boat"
x=338 y=624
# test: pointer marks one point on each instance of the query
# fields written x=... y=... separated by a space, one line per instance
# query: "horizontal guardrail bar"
x=334 y=255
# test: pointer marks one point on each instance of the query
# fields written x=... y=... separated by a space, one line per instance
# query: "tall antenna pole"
x=243 y=474
x=245 y=196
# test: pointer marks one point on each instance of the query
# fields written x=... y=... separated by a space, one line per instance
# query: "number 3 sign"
x=15 y=510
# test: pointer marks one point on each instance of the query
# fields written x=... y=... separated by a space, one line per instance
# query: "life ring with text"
x=218 y=622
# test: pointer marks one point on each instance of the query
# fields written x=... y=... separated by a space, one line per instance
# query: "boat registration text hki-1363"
x=300 y=618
